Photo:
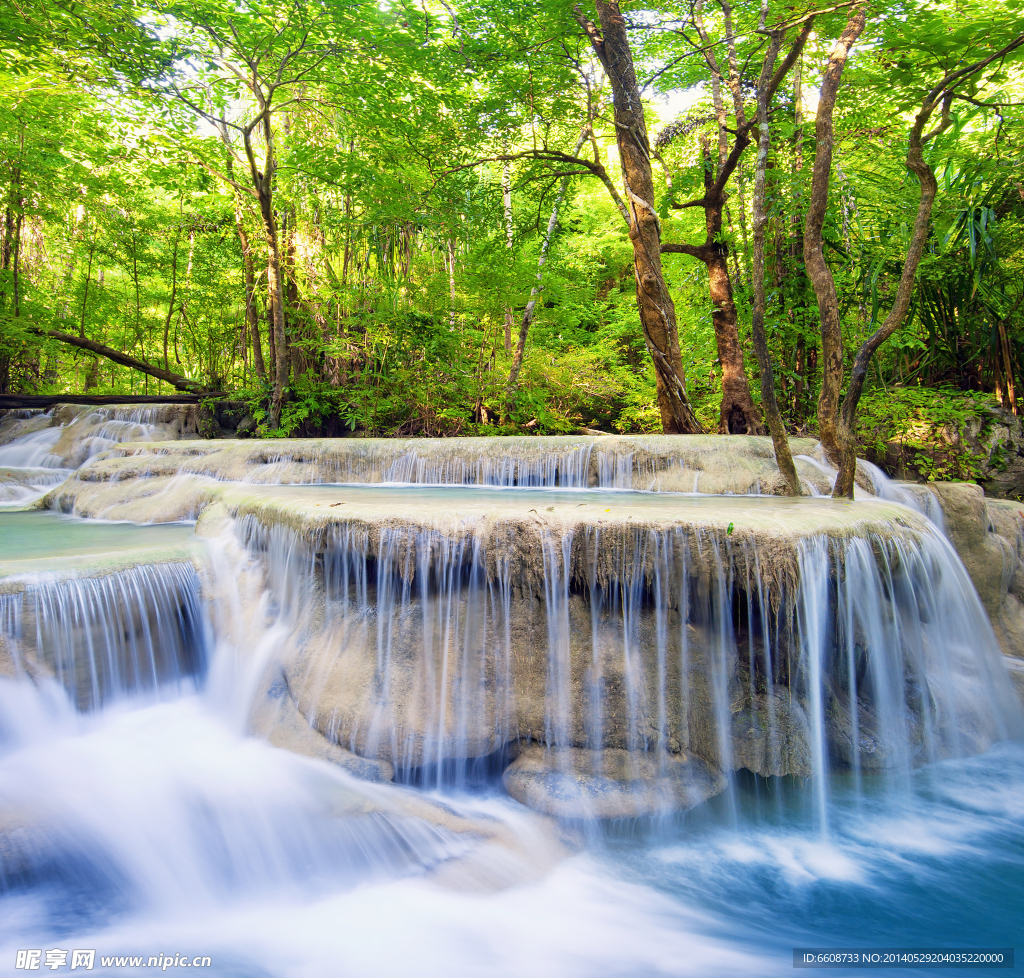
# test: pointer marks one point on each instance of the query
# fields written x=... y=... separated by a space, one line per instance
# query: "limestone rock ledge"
x=988 y=536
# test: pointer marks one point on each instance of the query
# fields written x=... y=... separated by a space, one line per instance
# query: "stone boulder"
x=575 y=783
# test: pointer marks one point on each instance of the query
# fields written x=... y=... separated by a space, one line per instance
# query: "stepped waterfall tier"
x=273 y=703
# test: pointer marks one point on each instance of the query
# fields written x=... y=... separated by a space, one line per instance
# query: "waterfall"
x=865 y=654
x=687 y=728
x=110 y=636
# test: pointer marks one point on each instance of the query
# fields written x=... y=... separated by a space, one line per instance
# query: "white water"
x=160 y=830
x=921 y=501
x=146 y=821
x=32 y=450
x=114 y=635
x=881 y=659
x=37 y=461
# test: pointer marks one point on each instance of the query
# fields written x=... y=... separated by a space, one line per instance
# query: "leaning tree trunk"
x=657 y=311
x=175 y=380
x=814 y=255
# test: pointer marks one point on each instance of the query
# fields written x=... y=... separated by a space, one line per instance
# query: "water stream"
x=145 y=810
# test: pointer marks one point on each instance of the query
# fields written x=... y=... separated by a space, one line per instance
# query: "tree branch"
x=175 y=380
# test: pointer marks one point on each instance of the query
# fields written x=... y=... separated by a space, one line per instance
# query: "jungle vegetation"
x=451 y=217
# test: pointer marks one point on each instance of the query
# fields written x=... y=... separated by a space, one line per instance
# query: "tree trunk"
x=18 y=401
x=845 y=424
x=293 y=327
x=1004 y=348
x=657 y=311
x=174 y=294
x=175 y=380
x=738 y=415
x=252 y=316
x=814 y=257
x=783 y=456
x=451 y=281
x=91 y=374
x=275 y=296
x=506 y=198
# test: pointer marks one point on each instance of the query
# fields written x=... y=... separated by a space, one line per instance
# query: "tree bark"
x=738 y=414
x=814 y=256
x=783 y=456
x=506 y=199
x=657 y=311
x=264 y=83
x=252 y=317
x=1004 y=349
x=175 y=380
x=941 y=94
x=293 y=326
x=275 y=294
x=174 y=294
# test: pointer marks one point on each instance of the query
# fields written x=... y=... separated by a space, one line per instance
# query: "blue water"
x=940 y=866
x=158 y=828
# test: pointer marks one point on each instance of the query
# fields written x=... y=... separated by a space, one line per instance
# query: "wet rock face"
x=660 y=644
x=649 y=644
x=572 y=783
x=452 y=677
x=276 y=717
x=18 y=424
x=771 y=737
x=988 y=535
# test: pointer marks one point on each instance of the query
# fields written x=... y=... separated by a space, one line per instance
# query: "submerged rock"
x=574 y=783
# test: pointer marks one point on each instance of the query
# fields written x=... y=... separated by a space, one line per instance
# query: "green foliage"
x=127 y=208
x=931 y=425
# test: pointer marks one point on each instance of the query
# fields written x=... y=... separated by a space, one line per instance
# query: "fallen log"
x=49 y=400
x=169 y=376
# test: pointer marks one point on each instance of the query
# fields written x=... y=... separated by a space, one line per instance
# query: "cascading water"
x=804 y=700
x=39 y=449
x=111 y=636
x=437 y=653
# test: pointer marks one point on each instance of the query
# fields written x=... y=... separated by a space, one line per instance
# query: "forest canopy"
x=447 y=217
